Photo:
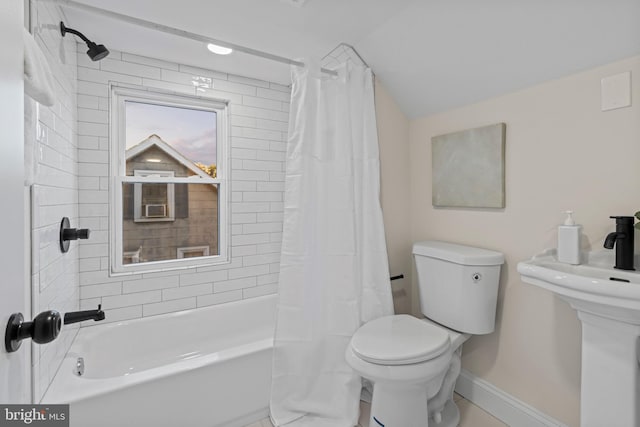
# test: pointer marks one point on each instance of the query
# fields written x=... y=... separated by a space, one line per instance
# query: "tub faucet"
x=622 y=238
x=79 y=316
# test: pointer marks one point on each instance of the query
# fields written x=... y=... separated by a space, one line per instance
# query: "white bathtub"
x=208 y=367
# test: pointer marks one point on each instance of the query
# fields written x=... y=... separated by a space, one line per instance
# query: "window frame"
x=119 y=96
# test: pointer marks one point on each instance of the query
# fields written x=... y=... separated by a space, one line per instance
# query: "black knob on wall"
x=44 y=328
x=67 y=234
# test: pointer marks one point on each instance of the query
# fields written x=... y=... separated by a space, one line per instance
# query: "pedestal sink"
x=608 y=305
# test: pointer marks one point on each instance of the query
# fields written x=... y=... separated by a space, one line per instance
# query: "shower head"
x=96 y=51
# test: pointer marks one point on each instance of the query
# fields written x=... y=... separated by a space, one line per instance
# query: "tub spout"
x=79 y=316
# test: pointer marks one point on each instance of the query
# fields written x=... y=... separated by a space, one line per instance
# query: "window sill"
x=164 y=267
x=163 y=219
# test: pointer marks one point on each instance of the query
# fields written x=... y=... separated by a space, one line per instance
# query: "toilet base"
x=399 y=405
x=450 y=416
x=386 y=412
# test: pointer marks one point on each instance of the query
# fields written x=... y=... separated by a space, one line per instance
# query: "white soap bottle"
x=569 y=241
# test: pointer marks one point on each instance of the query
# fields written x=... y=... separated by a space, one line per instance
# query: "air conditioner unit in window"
x=155 y=211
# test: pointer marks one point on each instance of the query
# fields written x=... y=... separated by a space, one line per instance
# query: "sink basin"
x=607 y=302
x=594 y=286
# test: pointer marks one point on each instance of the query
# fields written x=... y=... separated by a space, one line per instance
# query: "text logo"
x=34 y=415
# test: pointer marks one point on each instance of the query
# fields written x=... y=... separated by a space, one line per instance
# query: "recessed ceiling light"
x=219 y=49
x=296 y=3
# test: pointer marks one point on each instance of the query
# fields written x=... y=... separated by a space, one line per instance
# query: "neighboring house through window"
x=194 y=251
x=170 y=187
x=153 y=202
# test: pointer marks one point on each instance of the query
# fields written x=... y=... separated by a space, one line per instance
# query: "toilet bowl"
x=406 y=359
x=414 y=363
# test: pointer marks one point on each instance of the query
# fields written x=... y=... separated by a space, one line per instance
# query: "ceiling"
x=432 y=55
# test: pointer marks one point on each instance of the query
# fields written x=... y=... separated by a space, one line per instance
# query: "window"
x=169 y=166
x=153 y=202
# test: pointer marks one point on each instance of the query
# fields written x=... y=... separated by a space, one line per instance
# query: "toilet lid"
x=399 y=340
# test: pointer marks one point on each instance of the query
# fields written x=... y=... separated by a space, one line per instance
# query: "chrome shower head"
x=96 y=51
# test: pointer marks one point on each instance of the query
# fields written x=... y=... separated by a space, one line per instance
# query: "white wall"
x=52 y=133
x=562 y=153
x=259 y=122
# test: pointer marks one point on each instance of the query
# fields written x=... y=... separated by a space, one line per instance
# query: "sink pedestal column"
x=610 y=375
x=608 y=304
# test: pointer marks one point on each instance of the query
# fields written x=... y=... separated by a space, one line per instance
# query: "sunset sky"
x=191 y=132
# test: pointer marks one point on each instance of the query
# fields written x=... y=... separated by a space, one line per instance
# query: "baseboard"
x=501 y=405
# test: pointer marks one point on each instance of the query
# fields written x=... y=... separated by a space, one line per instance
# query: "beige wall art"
x=468 y=168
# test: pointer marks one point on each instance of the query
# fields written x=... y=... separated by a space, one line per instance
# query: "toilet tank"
x=458 y=285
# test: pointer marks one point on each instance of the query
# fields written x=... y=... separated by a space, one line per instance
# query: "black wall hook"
x=67 y=234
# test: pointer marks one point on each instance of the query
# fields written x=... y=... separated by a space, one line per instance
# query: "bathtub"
x=208 y=367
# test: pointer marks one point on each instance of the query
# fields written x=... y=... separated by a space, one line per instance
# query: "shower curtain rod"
x=182 y=33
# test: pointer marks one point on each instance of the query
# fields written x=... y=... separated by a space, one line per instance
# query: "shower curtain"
x=334 y=274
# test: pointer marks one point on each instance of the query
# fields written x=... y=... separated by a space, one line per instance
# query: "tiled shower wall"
x=259 y=121
x=52 y=172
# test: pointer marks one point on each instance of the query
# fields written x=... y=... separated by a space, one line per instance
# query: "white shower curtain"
x=334 y=274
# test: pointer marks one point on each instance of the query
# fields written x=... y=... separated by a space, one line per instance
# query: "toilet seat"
x=399 y=340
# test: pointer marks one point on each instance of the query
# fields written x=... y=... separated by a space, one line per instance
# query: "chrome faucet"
x=79 y=316
x=622 y=238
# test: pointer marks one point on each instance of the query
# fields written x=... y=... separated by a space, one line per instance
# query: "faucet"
x=79 y=316
x=622 y=238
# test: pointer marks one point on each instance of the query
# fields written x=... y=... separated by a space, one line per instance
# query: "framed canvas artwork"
x=468 y=168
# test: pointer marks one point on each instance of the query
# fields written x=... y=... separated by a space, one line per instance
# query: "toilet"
x=414 y=363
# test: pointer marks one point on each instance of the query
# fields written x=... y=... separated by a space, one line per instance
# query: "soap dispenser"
x=569 y=241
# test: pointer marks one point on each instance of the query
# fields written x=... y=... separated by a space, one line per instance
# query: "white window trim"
x=182 y=251
x=137 y=197
x=121 y=94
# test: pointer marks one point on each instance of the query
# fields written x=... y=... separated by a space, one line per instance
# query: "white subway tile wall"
x=53 y=132
x=259 y=123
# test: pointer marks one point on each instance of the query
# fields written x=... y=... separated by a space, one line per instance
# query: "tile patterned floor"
x=470 y=416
